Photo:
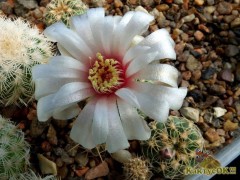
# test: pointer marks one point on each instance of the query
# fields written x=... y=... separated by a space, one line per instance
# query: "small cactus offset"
x=172 y=146
x=14 y=150
x=136 y=168
x=62 y=10
x=21 y=47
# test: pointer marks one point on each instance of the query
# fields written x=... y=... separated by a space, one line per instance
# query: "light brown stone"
x=230 y=126
x=212 y=135
x=198 y=35
x=98 y=171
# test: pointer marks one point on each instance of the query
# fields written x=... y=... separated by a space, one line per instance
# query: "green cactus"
x=62 y=10
x=172 y=146
x=14 y=150
x=136 y=168
x=30 y=175
x=21 y=47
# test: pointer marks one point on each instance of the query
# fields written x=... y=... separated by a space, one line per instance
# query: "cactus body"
x=30 y=175
x=14 y=150
x=172 y=146
x=21 y=47
x=62 y=10
x=136 y=168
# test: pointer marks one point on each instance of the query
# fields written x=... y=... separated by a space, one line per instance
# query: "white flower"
x=99 y=62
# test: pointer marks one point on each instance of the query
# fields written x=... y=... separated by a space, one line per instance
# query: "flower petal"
x=134 y=52
x=74 y=97
x=77 y=23
x=72 y=92
x=82 y=128
x=116 y=139
x=157 y=36
x=156 y=108
x=95 y=18
x=134 y=126
x=69 y=40
x=109 y=26
x=173 y=95
x=100 y=121
x=66 y=112
x=159 y=73
x=119 y=29
x=140 y=62
x=132 y=24
x=53 y=85
x=63 y=51
x=161 y=42
x=48 y=71
x=45 y=108
x=67 y=62
x=129 y=96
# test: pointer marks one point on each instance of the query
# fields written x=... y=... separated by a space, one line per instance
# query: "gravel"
x=207 y=37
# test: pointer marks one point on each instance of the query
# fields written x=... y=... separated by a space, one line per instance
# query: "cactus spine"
x=62 y=10
x=21 y=47
x=172 y=146
x=14 y=150
x=30 y=175
x=136 y=168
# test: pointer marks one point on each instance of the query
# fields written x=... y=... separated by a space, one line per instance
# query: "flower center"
x=106 y=75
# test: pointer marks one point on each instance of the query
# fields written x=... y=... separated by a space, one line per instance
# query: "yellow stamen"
x=105 y=75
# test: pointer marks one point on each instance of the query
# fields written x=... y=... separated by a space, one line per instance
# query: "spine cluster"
x=136 y=168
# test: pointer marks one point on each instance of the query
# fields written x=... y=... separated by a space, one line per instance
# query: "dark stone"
x=209 y=101
x=231 y=50
x=208 y=73
x=226 y=75
x=196 y=95
x=217 y=89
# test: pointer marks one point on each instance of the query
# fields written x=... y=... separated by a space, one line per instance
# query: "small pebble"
x=199 y=2
x=188 y=18
x=122 y=156
x=212 y=135
x=186 y=75
x=227 y=75
x=65 y=158
x=80 y=172
x=219 y=112
x=162 y=7
x=217 y=89
x=198 y=35
x=231 y=50
x=190 y=113
x=230 y=126
x=208 y=73
x=221 y=132
x=224 y=8
x=118 y=3
x=98 y=171
x=63 y=172
x=81 y=159
x=235 y=22
x=47 y=166
x=52 y=135
x=193 y=64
